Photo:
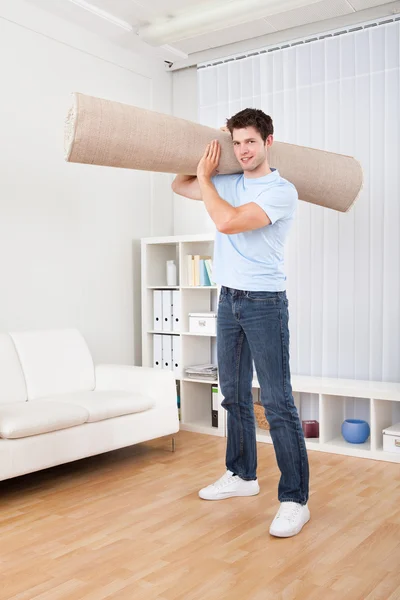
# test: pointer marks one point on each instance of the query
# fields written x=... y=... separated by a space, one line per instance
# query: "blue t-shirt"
x=254 y=260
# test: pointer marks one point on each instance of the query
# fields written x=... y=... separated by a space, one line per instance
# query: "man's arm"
x=188 y=186
x=226 y=217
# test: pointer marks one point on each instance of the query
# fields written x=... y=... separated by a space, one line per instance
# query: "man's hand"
x=209 y=162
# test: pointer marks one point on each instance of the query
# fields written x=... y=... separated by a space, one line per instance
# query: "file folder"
x=157 y=351
x=214 y=406
x=157 y=310
x=166 y=310
x=176 y=310
x=167 y=352
x=176 y=354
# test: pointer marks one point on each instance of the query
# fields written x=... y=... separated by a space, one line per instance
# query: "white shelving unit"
x=195 y=394
x=330 y=401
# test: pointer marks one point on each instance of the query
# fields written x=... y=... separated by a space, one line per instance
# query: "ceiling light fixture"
x=103 y=14
x=188 y=24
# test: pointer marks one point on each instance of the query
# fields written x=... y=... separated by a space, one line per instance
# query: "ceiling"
x=119 y=21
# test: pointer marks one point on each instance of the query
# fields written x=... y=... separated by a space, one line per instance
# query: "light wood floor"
x=129 y=525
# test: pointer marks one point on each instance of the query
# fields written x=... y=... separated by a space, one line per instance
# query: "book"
x=199 y=270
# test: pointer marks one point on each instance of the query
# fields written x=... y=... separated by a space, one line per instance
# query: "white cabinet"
x=328 y=400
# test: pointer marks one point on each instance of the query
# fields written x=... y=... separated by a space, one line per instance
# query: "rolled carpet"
x=106 y=133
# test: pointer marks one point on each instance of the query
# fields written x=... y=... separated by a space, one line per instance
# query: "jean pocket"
x=267 y=297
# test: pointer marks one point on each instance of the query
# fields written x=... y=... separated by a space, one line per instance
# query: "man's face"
x=249 y=147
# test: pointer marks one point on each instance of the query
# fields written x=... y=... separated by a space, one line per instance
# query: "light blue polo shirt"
x=254 y=260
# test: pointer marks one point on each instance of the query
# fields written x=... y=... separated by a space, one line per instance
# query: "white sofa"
x=56 y=406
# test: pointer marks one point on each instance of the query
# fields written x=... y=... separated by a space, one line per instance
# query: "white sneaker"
x=229 y=485
x=290 y=519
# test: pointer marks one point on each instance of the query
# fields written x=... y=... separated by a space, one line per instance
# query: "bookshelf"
x=327 y=400
x=195 y=348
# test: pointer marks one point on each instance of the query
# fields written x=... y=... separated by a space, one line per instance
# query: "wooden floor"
x=129 y=525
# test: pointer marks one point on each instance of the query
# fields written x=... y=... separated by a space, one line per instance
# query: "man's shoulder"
x=283 y=186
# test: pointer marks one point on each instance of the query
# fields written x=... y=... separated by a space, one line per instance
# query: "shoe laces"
x=223 y=481
x=289 y=511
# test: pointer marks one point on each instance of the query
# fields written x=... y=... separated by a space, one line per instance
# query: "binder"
x=214 y=405
x=157 y=351
x=166 y=310
x=176 y=310
x=157 y=310
x=167 y=352
x=176 y=354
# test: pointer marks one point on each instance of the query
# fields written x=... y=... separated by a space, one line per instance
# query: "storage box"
x=310 y=429
x=391 y=439
x=203 y=323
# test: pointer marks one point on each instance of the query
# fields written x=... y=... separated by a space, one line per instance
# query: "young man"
x=253 y=212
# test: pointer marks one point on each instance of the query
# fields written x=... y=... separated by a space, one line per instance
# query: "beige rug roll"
x=106 y=133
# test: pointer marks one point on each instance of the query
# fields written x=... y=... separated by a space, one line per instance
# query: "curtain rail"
x=300 y=41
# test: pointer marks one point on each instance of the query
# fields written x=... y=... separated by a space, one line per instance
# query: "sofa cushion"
x=24 y=419
x=102 y=405
x=54 y=362
x=12 y=380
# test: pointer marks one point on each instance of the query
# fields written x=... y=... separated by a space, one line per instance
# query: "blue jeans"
x=254 y=326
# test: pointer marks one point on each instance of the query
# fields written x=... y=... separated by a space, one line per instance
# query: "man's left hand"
x=209 y=162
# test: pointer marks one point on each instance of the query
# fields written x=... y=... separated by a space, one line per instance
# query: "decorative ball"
x=355 y=431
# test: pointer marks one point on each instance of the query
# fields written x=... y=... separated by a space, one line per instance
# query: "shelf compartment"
x=198 y=350
x=193 y=302
x=334 y=410
x=196 y=403
x=385 y=414
x=202 y=248
x=309 y=409
x=156 y=264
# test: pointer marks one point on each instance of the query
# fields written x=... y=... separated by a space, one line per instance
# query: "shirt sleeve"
x=279 y=202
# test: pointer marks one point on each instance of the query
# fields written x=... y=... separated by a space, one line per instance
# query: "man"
x=253 y=212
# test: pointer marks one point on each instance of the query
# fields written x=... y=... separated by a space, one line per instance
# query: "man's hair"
x=252 y=117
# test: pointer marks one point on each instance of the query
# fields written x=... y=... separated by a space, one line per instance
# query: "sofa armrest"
x=158 y=384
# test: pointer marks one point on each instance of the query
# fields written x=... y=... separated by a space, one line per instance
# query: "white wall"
x=190 y=216
x=69 y=234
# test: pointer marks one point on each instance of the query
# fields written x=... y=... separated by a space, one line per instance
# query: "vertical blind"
x=341 y=94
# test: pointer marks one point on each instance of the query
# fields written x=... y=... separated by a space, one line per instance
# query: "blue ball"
x=355 y=431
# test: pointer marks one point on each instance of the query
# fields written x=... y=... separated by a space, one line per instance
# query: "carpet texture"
x=106 y=133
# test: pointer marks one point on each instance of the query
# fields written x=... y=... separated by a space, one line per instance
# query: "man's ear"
x=269 y=141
